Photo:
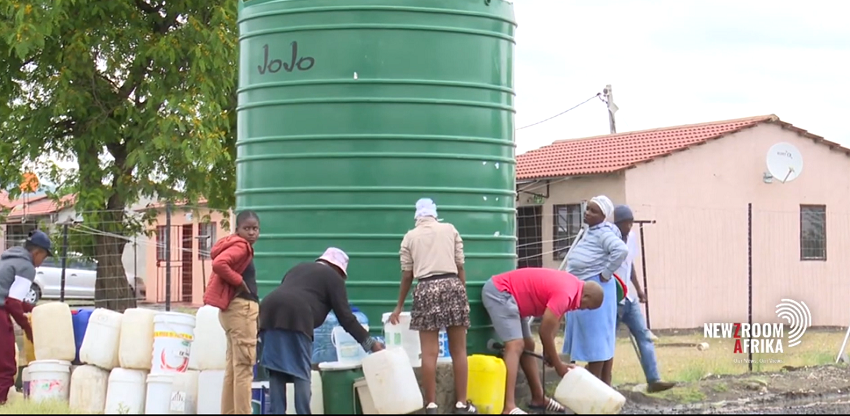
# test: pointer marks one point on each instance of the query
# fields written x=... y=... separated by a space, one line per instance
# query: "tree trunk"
x=112 y=290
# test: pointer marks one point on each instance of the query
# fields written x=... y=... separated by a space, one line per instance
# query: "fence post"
x=168 y=256
x=750 y=278
x=64 y=261
x=643 y=267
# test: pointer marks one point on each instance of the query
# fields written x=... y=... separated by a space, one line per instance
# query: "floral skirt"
x=439 y=302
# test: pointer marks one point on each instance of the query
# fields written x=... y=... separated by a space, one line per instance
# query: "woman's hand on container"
x=377 y=346
x=394 y=317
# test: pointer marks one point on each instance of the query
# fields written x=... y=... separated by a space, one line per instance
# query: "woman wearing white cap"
x=589 y=335
x=290 y=313
x=432 y=253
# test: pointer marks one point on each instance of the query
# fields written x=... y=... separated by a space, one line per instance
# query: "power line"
x=598 y=94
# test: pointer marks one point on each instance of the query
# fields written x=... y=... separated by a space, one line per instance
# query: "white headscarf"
x=605 y=204
x=425 y=207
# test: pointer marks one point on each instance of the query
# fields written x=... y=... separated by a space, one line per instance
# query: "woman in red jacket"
x=233 y=289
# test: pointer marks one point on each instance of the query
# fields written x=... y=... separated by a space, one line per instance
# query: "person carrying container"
x=288 y=316
x=511 y=299
x=432 y=254
x=233 y=289
x=629 y=312
x=17 y=274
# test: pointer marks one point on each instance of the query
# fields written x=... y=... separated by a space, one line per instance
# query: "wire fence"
x=158 y=256
x=717 y=265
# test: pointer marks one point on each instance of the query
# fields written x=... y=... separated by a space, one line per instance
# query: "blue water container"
x=260 y=400
x=80 y=322
x=323 y=349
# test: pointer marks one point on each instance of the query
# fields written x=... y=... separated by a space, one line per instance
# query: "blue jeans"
x=631 y=315
x=277 y=393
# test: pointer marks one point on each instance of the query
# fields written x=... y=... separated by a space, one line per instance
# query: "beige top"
x=431 y=248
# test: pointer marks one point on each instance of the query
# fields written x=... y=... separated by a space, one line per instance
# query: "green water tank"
x=350 y=111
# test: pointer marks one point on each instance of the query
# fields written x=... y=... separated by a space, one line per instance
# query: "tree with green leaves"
x=140 y=94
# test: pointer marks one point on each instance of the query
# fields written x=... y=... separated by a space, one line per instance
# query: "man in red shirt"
x=511 y=299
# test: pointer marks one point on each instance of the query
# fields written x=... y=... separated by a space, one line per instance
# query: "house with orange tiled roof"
x=715 y=224
x=183 y=246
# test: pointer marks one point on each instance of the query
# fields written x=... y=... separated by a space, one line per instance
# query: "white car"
x=80 y=277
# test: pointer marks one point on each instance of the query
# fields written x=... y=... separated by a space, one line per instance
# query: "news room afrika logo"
x=760 y=338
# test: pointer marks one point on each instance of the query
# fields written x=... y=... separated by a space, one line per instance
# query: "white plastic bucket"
x=401 y=336
x=49 y=380
x=348 y=350
x=158 y=393
x=125 y=394
x=173 y=334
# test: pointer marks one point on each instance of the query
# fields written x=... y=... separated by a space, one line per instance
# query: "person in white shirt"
x=628 y=311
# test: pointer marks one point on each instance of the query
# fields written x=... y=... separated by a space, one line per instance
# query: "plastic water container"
x=401 y=336
x=100 y=342
x=209 y=334
x=486 y=383
x=135 y=348
x=158 y=393
x=260 y=401
x=88 y=389
x=323 y=349
x=80 y=320
x=172 y=342
x=348 y=350
x=125 y=393
x=317 y=405
x=53 y=331
x=50 y=380
x=392 y=383
x=444 y=354
x=585 y=394
x=210 y=385
x=184 y=393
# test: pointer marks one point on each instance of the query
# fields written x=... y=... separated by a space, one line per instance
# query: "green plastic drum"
x=350 y=111
x=338 y=393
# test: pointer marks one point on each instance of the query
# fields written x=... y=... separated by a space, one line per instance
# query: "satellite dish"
x=784 y=162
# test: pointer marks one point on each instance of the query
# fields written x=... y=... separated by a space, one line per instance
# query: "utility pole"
x=612 y=108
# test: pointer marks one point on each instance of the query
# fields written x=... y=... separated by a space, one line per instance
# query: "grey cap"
x=623 y=213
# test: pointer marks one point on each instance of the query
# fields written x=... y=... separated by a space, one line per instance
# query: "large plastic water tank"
x=53 y=332
x=323 y=349
x=125 y=393
x=100 y=343
x=351 y=111
x=136 y=345
x=209 y=348
x=88 y=389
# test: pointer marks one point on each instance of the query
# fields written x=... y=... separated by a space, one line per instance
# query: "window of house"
x=206 y=238
x=813 y=232
x=162 y=250
x=567 y=223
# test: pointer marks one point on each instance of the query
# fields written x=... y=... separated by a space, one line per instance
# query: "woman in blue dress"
x=590 y=334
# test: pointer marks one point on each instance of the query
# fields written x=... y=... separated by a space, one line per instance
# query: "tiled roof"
x=40 y=206
x=615 y=152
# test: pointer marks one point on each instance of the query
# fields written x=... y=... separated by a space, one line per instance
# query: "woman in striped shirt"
x=590 y=334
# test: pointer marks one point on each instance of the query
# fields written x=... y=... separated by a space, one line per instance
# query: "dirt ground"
x=796 y=390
